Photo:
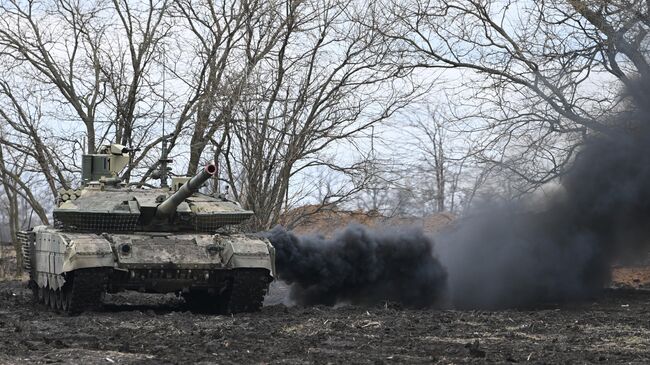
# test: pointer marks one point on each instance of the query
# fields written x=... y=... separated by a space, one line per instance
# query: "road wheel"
x=58 y=294
x=65 y=299
x=46 y=296
x=52 y=299
x=41 y=295
x=34 y=287
x=85 y=288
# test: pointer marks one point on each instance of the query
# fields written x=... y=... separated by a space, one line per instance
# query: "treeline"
x=408 y=107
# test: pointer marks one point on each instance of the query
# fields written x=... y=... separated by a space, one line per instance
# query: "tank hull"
x=211 y=271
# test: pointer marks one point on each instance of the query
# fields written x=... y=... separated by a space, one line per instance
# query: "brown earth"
x=614 y=327
x=311 y=219
x=634 y=277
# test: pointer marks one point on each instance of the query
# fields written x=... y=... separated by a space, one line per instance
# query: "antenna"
x=30 y=218
x=164 y=158
x=164 y=76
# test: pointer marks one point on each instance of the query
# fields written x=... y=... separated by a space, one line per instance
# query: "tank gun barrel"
x=168 y=207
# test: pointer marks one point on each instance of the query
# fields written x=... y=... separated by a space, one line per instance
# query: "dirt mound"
x=634 y=277
x=313 y=219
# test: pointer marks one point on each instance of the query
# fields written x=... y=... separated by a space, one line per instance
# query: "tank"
x=109 y=236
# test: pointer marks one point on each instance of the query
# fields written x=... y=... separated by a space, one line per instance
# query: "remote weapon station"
x=109 y=236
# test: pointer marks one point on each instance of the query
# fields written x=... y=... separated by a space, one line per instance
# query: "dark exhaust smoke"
x=359 y=266
x=510 y=258
x=502 y=255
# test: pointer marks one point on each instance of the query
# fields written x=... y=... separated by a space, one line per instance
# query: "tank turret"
x=106 y=203
x=112 y=236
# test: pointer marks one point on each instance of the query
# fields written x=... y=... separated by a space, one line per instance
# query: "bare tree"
x=532 y=77
x=229 y=41
x=92 y=61
x=28 y=35
x=431 y=141
x=19 y=195
x=327 y=81
x=24 y=117
x=280 y=83
x=71 y=68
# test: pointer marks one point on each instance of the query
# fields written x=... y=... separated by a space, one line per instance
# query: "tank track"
x=245 y=293
x=82 y=291
x=86 y=289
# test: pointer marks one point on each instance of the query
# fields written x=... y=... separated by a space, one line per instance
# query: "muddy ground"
x=138 y=329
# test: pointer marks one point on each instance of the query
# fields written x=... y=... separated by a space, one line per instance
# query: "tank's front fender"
x=56 y=253
x=88 y=251
x=247 y=251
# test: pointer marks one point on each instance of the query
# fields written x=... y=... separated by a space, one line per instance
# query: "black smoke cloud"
x=359 y=266
x=508 y=257
x=502 y=255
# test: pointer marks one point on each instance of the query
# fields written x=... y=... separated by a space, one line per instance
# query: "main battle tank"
x=109 y=236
